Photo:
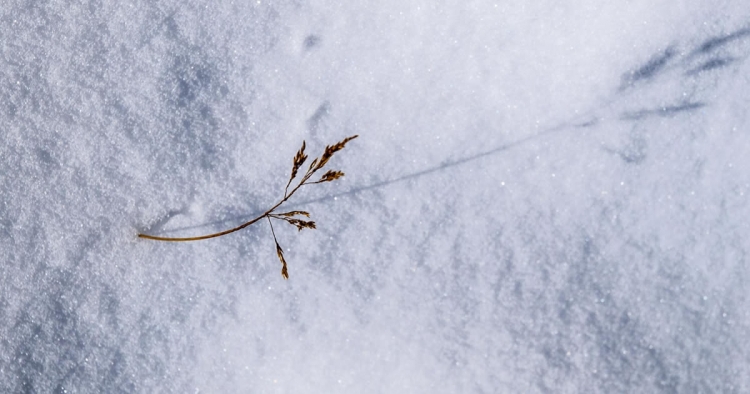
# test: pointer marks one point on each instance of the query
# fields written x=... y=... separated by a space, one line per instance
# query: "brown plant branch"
x=299 y=159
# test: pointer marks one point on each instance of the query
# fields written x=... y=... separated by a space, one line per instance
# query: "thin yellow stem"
x=219 y=234
x=272 y=232
x=231 y=230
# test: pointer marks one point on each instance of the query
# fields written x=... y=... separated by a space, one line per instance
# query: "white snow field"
x=545 y=197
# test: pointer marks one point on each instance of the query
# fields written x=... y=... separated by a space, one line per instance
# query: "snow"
x=546 y=197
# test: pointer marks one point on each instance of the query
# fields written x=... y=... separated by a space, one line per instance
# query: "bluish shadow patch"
x=113 y=376
x=647 y=71
x=109 y=306
x=717 y=42
x=311 y=42
x=51 y=340
x=634 y=152
x=314 y=122
x=589 y=123
x=192 y=87
x=711 y=65
x=44 y=156
x=666 y=111
x=626 y=357
x=191 y=77
x=618 y=344
x=157 y=22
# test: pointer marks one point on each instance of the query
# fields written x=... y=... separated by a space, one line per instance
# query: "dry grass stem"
x=288 y=217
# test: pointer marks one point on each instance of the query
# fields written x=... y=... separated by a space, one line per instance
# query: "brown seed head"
x=301 y=224
x=331 y=149
x=299 y=159
x=331 y=175
x=293 y=213
x=280 y=253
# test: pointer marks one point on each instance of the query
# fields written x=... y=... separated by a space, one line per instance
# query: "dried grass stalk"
x=288 y=217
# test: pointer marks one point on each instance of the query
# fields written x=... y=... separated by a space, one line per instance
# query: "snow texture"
x=545 y=196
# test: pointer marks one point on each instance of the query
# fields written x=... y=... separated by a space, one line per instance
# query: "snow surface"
x=545 y=196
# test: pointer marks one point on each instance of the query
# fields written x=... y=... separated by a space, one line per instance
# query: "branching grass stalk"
x=290 y=217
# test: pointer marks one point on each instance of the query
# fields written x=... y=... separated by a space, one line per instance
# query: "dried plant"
x=291 y=217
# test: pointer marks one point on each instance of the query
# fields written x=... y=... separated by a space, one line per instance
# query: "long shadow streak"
x=440 y=167
x=359 y=189
x=644 y=72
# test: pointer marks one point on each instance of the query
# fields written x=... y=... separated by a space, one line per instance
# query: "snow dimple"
x=311 y=41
